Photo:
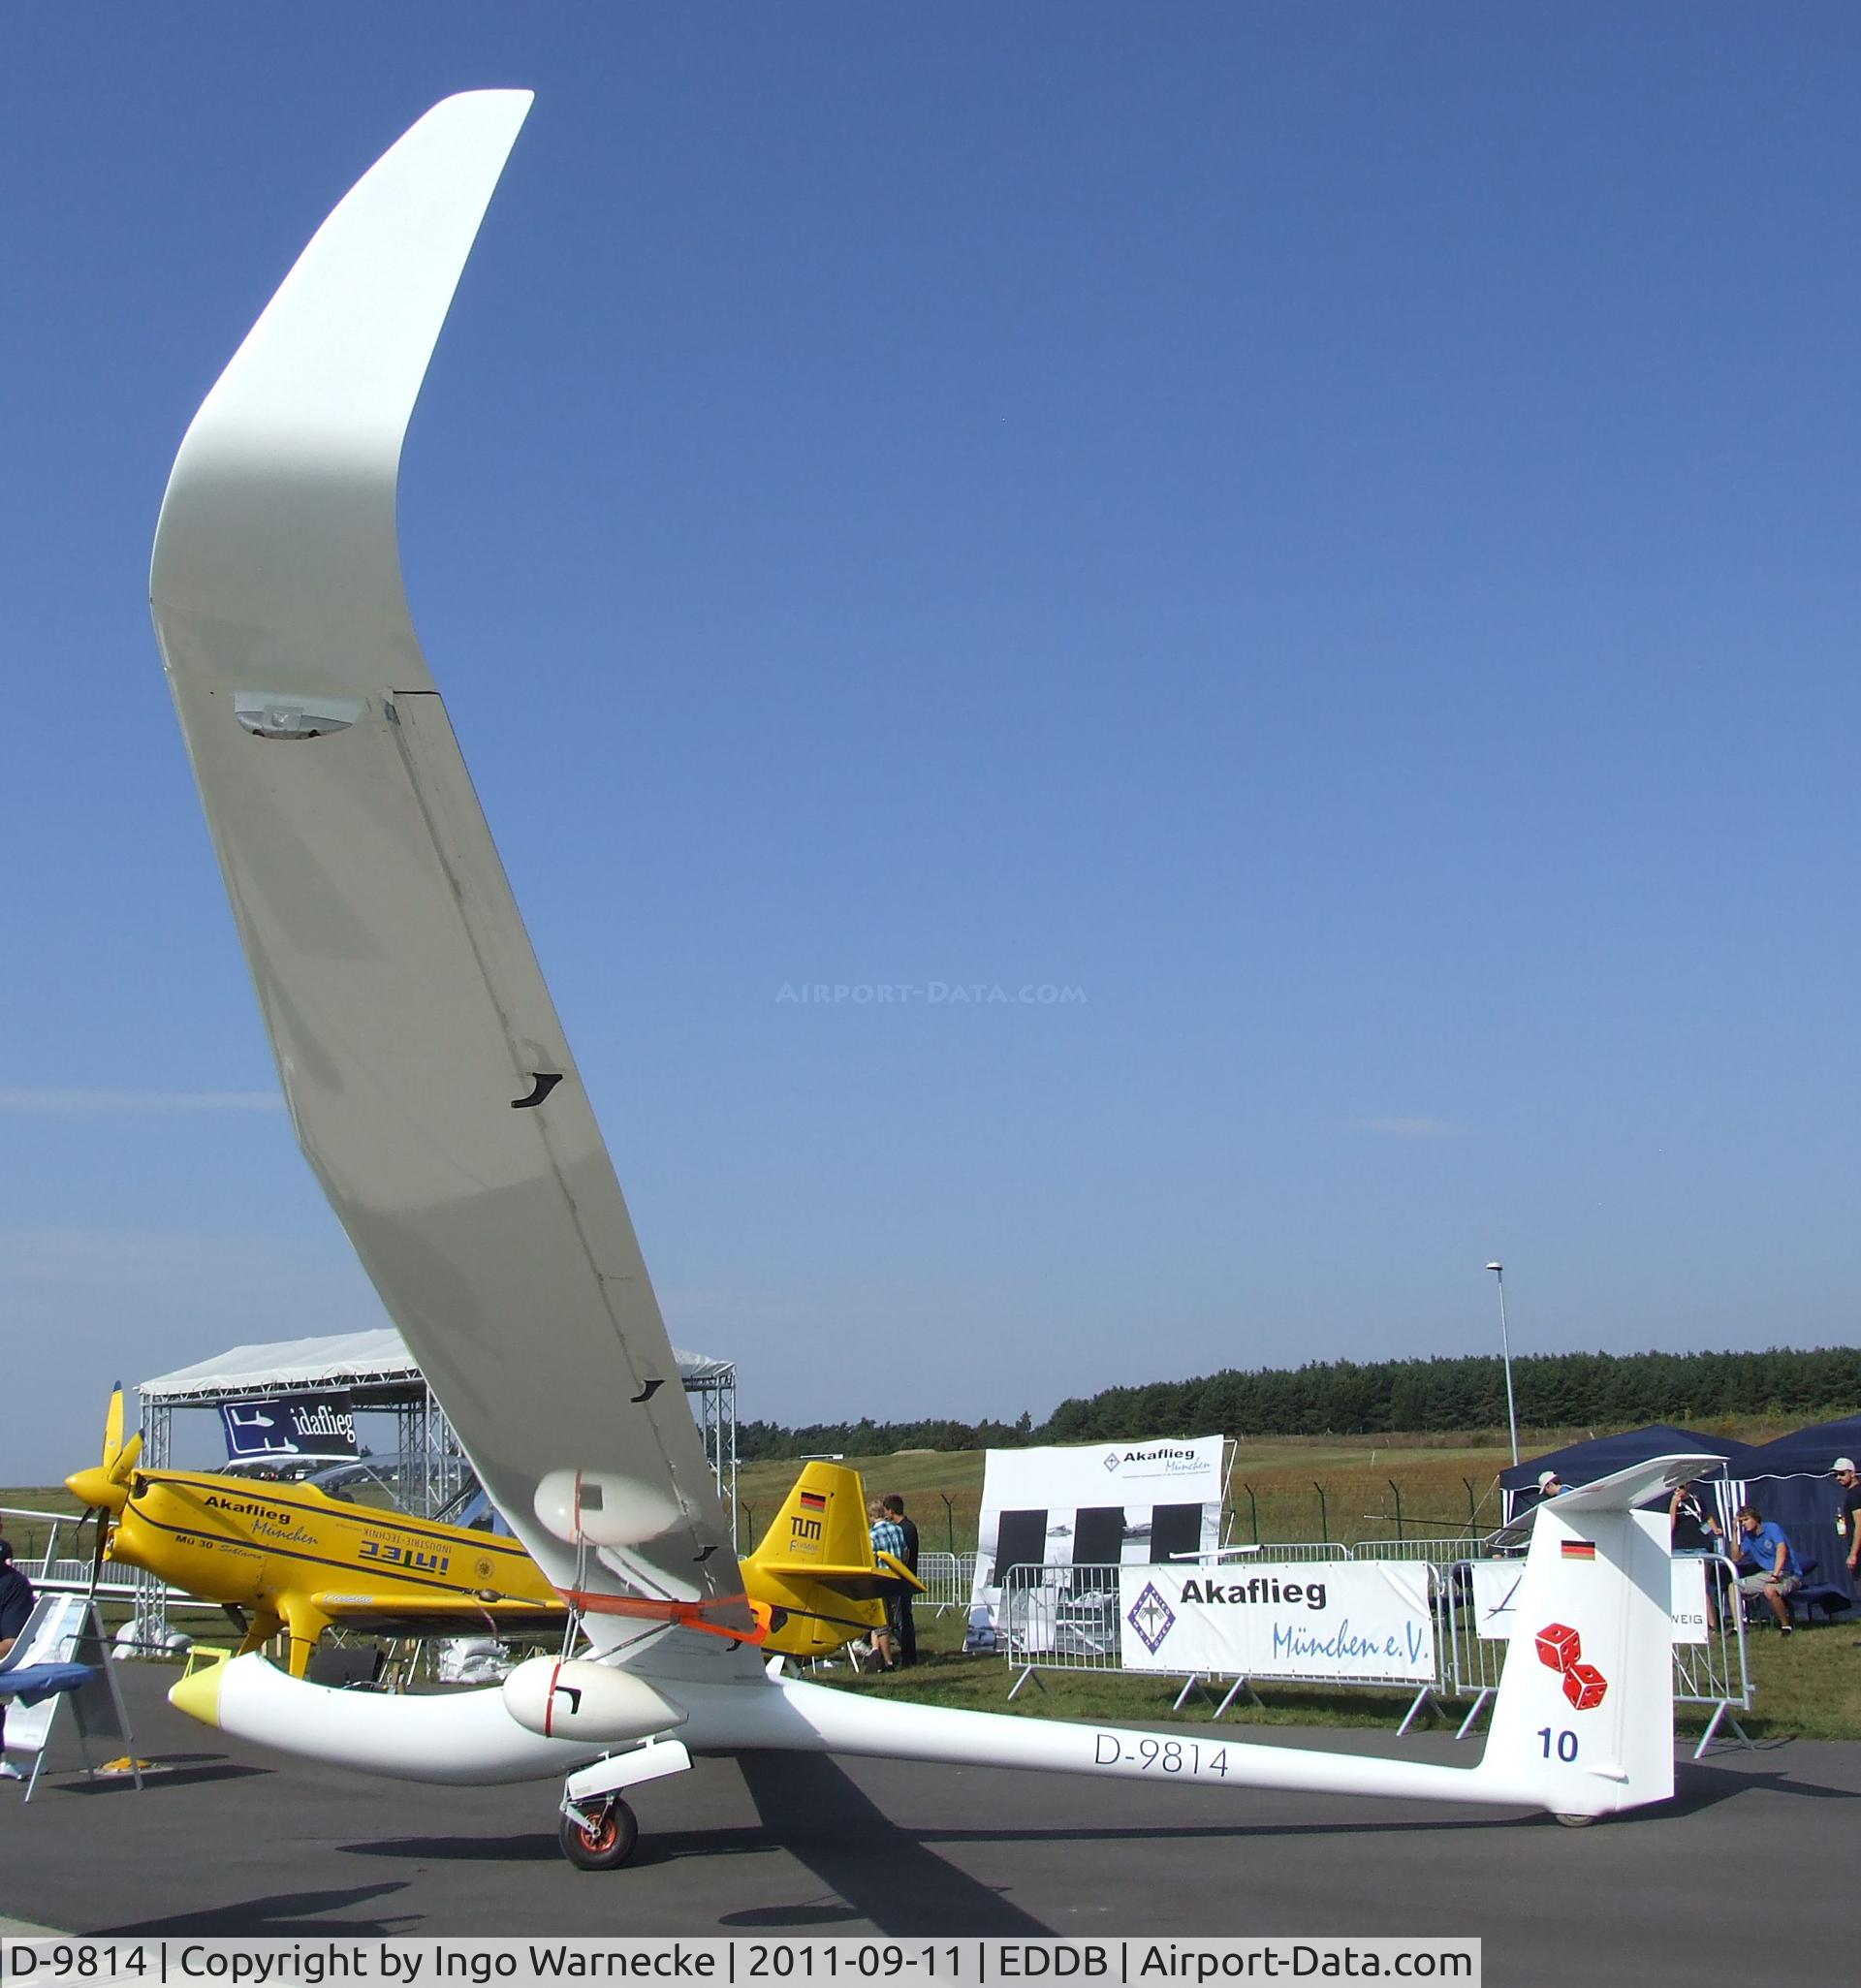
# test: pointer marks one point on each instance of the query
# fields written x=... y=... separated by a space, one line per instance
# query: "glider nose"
x=95 y=1489
x=198 y=1695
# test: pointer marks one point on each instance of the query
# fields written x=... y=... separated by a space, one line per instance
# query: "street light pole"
x=1506 y=1353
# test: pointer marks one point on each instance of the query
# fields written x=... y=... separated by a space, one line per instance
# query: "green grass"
x=1807 y=1685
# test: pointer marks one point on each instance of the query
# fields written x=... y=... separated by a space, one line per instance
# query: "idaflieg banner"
x=275 y=1428
x=1368 y=1622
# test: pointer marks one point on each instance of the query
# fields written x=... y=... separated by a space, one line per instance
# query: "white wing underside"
x=404 y=1003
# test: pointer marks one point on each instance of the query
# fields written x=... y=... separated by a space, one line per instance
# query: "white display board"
x=1362 y=1621
x=1495 y=1589
x=65 y=1629
x=50 y=1636
x=1101 y=1504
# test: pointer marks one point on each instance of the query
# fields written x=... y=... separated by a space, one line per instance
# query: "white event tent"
x=378 y=1374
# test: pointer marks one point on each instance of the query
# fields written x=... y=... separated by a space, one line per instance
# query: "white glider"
x=433 y=1095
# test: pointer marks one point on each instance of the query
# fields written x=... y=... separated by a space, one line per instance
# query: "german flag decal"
x=813 y=1502
x=1578 y=1549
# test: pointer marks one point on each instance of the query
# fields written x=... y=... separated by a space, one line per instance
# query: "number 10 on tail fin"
x=1584 y=1723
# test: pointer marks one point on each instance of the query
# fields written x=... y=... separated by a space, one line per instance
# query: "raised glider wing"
x=425 y=1067
x=433 y=1095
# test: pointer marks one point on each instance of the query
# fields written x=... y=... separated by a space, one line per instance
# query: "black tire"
x=613 y=1839
x=1574 y=1821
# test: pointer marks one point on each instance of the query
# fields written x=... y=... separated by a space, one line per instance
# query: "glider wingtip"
x=505 y=106
x=279 y=509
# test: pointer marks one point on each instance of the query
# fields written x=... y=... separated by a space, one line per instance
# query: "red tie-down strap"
x=701 y=1615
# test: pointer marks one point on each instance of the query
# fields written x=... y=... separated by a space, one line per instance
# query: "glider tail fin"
x=1584 y=1723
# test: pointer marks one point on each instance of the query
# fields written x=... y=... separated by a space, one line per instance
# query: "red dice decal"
x=1561 y=1648
x=1558 y=1647
x=1584 y=1685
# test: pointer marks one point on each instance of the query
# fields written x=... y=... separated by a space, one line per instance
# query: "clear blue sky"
x=1330 y=529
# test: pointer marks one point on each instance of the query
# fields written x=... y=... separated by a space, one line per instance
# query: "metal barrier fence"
x=1295 y=1550
x=35 y=1548
x=1066 y=1619
x=948 y=1578
x=1434 y=1552
x=1715 y=1672
x=1060 y=1617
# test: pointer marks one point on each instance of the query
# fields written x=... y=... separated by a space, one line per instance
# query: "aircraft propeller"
x=105 y=1489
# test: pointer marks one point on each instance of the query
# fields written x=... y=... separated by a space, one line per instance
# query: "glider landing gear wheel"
x=606 y=1847
x=1575 y=1821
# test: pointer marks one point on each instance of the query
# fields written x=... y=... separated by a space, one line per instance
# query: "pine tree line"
x=1425 y=1397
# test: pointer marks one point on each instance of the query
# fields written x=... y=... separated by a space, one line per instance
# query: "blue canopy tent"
x=1790 y=1481
x=1583 y=1463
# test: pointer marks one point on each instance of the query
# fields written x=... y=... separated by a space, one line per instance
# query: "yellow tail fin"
x=822 y=1524
x=815 y=1565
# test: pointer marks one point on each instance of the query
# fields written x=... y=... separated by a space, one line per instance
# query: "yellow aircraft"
x=292 y=1557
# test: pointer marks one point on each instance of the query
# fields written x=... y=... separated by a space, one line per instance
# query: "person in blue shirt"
x=1778 y=1576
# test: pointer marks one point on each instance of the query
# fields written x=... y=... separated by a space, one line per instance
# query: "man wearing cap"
x=1550 y=1485
x=1847 y=1521
x=15 y=1606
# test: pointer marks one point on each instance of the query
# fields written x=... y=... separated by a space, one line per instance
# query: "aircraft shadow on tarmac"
x=287 y=1915
x=885 y=1874
x=170 y=1770
x=1705 y=1787
x=656 y=1846
x=531 y=1847
x=879 y=1874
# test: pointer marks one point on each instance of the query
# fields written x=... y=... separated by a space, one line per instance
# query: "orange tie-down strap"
x=685 y=1615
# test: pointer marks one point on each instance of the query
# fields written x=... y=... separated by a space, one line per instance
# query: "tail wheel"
x=1575 y=1821
x=608 y=1845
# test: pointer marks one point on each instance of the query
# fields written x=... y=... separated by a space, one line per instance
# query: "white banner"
x=1690 y=1601
x=1361 y=1621
x=1495 y=1589
x=1095 y=1504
